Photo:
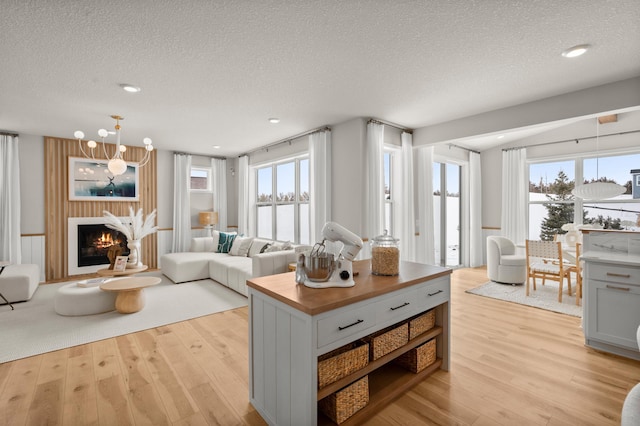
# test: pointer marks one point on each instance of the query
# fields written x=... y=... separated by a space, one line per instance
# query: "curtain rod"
x=462 y=147
x=199 y=155
x=386 y=123
x=576 y=140
x=287 y=140
x=15 y=135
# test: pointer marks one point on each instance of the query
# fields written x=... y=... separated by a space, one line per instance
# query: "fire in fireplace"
x=94 y=242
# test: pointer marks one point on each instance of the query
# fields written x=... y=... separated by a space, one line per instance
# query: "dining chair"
x=544 y=260
x=577 y=269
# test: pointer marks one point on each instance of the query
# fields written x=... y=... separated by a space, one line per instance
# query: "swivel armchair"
x=503 y=264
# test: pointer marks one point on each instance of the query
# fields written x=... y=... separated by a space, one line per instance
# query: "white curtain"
x=514 y=194
x=407 y=222
x=476 y=246
x=10 y=245
x=243 y=196
x=425 y=250
x=181 y=203
x=219 y=172
x=320 y=182
x=375 y=182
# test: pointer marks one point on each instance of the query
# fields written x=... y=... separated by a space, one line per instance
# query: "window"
x=200 y=179
x=551 y=203
x=282 y=201
x=446 y=213
x=388 y=198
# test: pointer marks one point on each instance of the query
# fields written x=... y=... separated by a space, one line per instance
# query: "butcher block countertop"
x=313 y=301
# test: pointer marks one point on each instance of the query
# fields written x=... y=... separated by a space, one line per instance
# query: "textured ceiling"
x=213 y=72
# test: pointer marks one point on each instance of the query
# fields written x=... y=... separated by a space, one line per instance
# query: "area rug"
x=544 y=297
x=34 y=327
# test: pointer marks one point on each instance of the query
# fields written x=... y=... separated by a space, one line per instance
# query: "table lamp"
x=208 y=220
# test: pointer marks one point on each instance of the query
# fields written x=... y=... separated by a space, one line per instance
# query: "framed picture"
x=120 y=264
x=91 y=180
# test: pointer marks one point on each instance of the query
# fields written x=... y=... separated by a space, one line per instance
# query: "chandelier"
x=116 y=163
x=598 y=190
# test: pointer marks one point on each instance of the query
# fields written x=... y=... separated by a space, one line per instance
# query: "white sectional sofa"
x=232 y=269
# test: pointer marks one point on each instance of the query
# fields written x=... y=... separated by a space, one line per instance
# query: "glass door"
x=446 y=213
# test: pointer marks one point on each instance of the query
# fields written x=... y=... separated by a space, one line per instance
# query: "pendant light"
x=598 y=190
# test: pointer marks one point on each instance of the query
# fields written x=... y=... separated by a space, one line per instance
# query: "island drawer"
x=396 y=308
x=616 y=274
x=432 y=294
x=345 y=324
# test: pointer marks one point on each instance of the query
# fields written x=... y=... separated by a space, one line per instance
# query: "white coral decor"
x=137 y=228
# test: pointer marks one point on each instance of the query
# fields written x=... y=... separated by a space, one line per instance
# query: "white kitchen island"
x=290 y=325
x=611 y=291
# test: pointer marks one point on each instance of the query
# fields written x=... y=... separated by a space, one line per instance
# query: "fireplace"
x=89 y=240
x=94 y=242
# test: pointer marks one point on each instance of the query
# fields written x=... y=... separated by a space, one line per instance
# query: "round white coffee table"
x=130 y=292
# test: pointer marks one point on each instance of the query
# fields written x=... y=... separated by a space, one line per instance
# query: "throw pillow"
x=287 y=245
x=265 y=247
x=216 y=240
x=240 y=246
x=272 y=248
x=257 y=246
x=225 y=242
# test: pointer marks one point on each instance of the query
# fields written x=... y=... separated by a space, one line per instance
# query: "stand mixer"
x=319 y=269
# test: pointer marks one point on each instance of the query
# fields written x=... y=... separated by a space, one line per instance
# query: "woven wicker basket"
x=346 y=402
x=341 y=362
x=417 y=359
x=387 y=340
x=421 y=324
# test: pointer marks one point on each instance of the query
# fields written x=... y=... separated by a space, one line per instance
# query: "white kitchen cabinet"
x=611 y=293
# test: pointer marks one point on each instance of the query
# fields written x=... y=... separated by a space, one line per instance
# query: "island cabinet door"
x=282 y=376
x=614 y=313
x=612 y=304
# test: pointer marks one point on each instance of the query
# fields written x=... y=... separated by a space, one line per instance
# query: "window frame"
x=578 y=203
x=392 y=152
x=274 y=202
x=209 y=179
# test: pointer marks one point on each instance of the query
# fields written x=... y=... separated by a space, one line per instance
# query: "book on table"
x=93 y=282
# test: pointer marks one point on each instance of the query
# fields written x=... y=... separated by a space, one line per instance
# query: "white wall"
x=348 y=154
x=348 y=179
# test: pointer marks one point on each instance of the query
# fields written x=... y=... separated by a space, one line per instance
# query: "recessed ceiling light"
x=216 y=147
x=130 y=88
x=274 y=120
x=575 y=51
x=500 y=136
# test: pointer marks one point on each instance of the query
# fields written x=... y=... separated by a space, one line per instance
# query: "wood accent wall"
x=58 y=207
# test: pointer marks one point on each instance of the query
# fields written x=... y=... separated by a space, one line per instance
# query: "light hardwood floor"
x=511 y=365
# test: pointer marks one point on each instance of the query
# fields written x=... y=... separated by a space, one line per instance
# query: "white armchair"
x=503 y=264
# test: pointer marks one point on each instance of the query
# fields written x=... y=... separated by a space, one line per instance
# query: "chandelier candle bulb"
x=116 y=164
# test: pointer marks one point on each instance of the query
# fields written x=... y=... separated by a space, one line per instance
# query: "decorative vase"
x=135 y=256
x=571 y=238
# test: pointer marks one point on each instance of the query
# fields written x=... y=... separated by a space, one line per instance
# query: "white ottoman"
x=19 y=282
x=71 y=300
x=187 y=266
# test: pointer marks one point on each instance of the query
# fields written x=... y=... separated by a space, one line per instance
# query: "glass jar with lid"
x=385 y=255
